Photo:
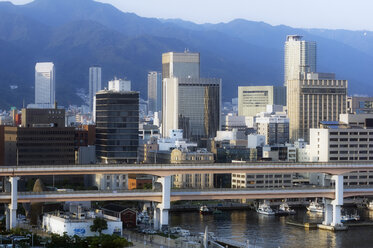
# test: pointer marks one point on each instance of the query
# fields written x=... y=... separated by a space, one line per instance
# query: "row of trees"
x=101 y=241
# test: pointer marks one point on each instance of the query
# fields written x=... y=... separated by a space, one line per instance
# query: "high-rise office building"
x=180 y=65
x=117 y=126
x=254 y=99
x=45 y=85
x=300 y=56
x=94 y=84
x=189 y=102
x=311 y=101
x=192 y=105
x=154 y=91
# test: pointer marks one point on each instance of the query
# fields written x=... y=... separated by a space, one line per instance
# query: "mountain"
x=76 y=34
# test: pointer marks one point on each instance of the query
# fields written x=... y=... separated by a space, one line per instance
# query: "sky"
x=331 y=14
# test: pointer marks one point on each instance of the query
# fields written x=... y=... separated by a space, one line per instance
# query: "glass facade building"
x=192 y=105
x=45 y=84
x=94 y=84
x=154 y=91
x=117 y=126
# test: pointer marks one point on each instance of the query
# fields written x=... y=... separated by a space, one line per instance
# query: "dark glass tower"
x=117 y=126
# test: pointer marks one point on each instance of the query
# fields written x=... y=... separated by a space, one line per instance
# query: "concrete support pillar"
x=156 y=218
x=164 y=218
x=165 y=205
x=336 y=215
x=338 y=201
x=328 y=214
x=7 y=217
x=13 y=201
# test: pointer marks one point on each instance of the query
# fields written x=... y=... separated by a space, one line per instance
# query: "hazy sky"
x=341 y=14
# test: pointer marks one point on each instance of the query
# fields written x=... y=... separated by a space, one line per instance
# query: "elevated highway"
x=185 y=194
x=163 y=170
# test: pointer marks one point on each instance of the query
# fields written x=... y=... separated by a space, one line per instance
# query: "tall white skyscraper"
x=45 y=84
x=94 y=84
x=300 y=56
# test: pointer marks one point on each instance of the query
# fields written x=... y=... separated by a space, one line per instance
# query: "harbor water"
x=272 y=231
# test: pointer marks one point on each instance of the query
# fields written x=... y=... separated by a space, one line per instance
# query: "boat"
x=284 y=209
x=350 y=217
x=204 y=210
x=315 y=207
x=265 y=209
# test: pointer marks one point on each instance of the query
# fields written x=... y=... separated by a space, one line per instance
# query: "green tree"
x=99 y=224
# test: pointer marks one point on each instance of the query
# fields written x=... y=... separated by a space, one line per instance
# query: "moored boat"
x=284 y=209
x=350 y=217
x=265 y=209
x=204 y=210
x=315 y=207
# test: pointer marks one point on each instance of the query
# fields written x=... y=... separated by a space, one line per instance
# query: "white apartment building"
x=341 y=143
x=348 y=141
x=119 y=85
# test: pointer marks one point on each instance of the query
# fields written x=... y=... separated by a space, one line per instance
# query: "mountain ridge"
x=85 y=33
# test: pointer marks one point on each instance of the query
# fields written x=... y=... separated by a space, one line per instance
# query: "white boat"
x=265 y=209
x=349 y=217
x=315 y=207
x=204 y=210
x=284 y=209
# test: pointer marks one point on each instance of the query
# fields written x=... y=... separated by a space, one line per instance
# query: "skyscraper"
x=300 y=56
x=45 y=85
x=94 y=84
x=154 y=91
x=190 y=103
x=117 y=126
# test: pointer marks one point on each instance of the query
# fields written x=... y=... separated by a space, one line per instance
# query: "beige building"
x=183 y=156
x=243 y=180
x=312 y=101
x=254 y=99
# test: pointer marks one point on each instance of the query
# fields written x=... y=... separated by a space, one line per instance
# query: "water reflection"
x=272 y=231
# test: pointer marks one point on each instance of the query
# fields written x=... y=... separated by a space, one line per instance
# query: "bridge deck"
x=172 y=169
x=183 y=194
